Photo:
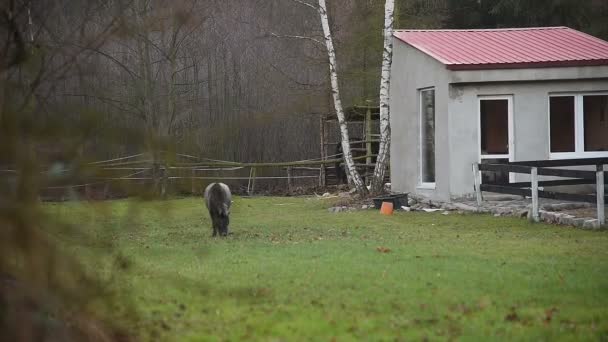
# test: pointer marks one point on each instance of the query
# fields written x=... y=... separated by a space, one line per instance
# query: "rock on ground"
x=591 y=224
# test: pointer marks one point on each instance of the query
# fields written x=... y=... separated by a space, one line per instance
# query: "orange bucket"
x=387 y=208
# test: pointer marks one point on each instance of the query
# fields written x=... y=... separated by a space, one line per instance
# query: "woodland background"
x=240 y=80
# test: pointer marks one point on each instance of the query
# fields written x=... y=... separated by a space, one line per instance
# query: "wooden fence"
x=170 y=169
x=535 y=187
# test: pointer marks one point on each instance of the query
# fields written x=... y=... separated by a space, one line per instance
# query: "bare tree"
x=385 y=127
x=353 y=175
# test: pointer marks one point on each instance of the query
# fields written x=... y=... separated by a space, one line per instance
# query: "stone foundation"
x=575 y=214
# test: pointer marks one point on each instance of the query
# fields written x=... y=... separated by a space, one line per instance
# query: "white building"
x=463 y=96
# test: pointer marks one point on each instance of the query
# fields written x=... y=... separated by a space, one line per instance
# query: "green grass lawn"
x=292 y=271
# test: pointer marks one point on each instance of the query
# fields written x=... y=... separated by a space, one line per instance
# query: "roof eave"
x=530 y=65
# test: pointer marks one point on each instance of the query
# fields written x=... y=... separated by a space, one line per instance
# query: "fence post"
x=252 y=181
x=601 y=217
x=249 y=182
x=534 y=180
x=164 y=183
x=368 y=135
x=322 y=177
x=289 y=185
x=323 y=137
x=477 y=182
x=193 y=175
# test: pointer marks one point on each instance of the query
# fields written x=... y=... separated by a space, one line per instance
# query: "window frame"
x=421 y=184
x=511 y=133
x=510 y=127
x=579 y=127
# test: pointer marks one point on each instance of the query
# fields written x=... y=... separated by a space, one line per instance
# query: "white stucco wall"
x=530 y=121
x=413 y=70
x=456 y=115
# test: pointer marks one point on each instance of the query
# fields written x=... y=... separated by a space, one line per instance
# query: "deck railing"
x=535 y=187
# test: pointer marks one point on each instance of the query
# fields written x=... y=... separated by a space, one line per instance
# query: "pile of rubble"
x=551 y=211
x=573 y=214
x=350 y=202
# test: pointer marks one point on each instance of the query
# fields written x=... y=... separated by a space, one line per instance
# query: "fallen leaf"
x=512 y=316
x=383 y=249
x=549 y=315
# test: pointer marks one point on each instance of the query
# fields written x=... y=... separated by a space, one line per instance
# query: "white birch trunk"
x=385 y=127
x=354 y=176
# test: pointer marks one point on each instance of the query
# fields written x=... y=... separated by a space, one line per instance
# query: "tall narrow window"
x=595 y=108
x=562 y=123
x=494 y=120
x=427 y=136
x=494 y=135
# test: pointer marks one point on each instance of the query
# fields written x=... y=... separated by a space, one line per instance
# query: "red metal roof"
x=508 y=48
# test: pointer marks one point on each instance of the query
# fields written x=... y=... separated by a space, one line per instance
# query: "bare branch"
x=306 y=4
x=110 y=57
x=296 y=37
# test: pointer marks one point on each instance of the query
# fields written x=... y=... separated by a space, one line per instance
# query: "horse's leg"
x=214 y=223
x=227 y=225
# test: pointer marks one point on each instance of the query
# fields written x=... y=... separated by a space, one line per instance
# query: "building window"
x=595 y=126
x=495 y=135
x=578 y=125
x=494 y=121
x=427 y=137
x=562 y=124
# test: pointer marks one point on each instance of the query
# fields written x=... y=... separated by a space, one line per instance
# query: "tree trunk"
x=385 y=127
x=354 y=176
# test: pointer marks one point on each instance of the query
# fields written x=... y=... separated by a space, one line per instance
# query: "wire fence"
x=189 y=173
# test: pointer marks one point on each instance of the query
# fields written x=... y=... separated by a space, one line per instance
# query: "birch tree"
x=353 y=175
x=385 y=127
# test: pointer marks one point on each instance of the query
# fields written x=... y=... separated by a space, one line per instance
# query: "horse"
x=218 y=200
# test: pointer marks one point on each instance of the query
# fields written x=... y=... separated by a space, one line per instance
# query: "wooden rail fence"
x=143 y=167
x=535 y=187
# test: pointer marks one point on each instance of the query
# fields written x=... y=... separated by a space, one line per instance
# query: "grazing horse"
x=218 y=200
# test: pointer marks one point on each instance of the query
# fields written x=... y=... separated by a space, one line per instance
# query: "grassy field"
x=292 y=271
